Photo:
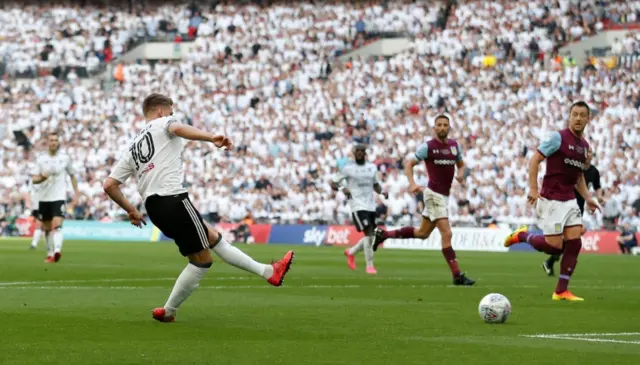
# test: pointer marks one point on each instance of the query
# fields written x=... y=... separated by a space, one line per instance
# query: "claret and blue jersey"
x=566 y=156
x=440 y=159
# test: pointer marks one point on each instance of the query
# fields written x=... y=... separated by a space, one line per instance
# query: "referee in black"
x=592 y=178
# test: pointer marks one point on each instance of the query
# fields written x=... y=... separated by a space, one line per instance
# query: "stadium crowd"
x=293 y=110
x=42 y=37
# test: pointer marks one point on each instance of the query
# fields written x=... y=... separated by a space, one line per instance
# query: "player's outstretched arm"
x=581 y=187
x=39 y=179
x=337 y=182
x=334 y=186
x=378 y=189
x=39 y=175
x=112 y=187
x=409 y=164
x=534 y=167
x=192 y=133
x=76 y=191
x=460 y=172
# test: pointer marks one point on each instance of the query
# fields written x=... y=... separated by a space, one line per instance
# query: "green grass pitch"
x=94 y=307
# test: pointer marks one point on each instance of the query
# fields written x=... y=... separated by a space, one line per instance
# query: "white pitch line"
x=587 y=339
x=586 y=334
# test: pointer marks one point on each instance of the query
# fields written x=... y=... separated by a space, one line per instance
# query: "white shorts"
x=554 y=215
x=435 y=205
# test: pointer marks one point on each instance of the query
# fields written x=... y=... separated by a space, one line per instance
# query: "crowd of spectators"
x=40 y=38
x=268 y=77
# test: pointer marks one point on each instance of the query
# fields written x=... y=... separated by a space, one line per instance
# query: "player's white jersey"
x=155 y=158
x=359 y=180
x=57 y=166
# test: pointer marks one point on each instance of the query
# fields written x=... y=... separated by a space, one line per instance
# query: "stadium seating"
x=268 y=77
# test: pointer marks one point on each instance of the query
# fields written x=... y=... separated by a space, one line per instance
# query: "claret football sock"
x=568 y=263
x=450 y=256
x=404 y=232
x=538 y=242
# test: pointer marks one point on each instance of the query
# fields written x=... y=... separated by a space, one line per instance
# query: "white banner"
x=464 y=239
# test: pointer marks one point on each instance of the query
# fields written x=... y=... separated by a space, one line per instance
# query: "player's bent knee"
x=554 y=241
x=573 y=233
x=213 y=236
x=201 y=258
x=421 y=234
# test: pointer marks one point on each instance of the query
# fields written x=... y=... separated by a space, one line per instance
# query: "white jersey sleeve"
x=154 y=157
x=123 y=169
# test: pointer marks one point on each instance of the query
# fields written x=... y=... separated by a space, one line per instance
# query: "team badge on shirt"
x=454 y=150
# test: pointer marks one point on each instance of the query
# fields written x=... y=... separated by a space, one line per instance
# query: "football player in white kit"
x=155 y=159
x=52 y=170
x=359 y=181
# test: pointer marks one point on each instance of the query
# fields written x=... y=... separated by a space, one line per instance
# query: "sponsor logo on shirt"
x=574 y=163
x=444 y=162
x=149 y=167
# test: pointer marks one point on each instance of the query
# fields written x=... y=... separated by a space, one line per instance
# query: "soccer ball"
x=494 y=308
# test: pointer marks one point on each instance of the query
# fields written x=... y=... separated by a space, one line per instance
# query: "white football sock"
x=358 y=246
x=57 y=240
x=368 y=250
x=233 y=256
x=37 y=234
x=187 y=282
x=50 y=247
